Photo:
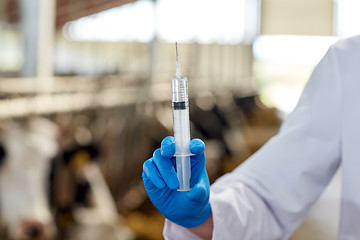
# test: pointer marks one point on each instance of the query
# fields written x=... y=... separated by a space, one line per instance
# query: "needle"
x=178 y=71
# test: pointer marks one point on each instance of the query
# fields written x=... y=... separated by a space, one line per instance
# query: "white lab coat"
x=269 y=195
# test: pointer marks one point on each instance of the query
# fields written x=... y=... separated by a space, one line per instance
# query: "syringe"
x=180 y=105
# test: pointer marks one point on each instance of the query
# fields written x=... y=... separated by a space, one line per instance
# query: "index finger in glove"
x=166 y=169
x=168 y=147
x=150 y=172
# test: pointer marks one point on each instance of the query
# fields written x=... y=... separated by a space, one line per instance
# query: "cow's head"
x=24 y=172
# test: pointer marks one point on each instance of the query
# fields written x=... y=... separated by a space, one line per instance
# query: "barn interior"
x=85 y=99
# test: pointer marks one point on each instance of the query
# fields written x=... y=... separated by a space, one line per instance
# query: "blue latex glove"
x=188 y=209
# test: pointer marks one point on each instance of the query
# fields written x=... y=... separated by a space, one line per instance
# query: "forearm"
x=204 y=230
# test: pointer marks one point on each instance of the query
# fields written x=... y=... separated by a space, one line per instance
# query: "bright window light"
x=283 y=63
x=347 y=18
x=131 y=22
x=292 y=49
x=203 y=21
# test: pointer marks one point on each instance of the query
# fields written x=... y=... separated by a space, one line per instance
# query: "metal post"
x=46 y=32
x=29 y=29
x=38 y=28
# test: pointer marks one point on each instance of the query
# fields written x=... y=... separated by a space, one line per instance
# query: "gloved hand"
x=188 y=209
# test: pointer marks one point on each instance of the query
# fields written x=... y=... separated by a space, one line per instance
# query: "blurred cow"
x=24 y=169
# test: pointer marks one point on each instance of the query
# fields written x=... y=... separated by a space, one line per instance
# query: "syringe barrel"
x=181 y=131
x=179 y=91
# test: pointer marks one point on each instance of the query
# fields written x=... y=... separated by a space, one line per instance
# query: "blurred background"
x=85 y=98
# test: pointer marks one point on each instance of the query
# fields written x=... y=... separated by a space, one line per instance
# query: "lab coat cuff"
x=172 y=231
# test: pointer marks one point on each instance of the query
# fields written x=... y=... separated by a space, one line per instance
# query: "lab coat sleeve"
x=269 y=195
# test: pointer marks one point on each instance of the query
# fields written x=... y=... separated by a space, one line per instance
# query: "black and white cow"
x=25 y=155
